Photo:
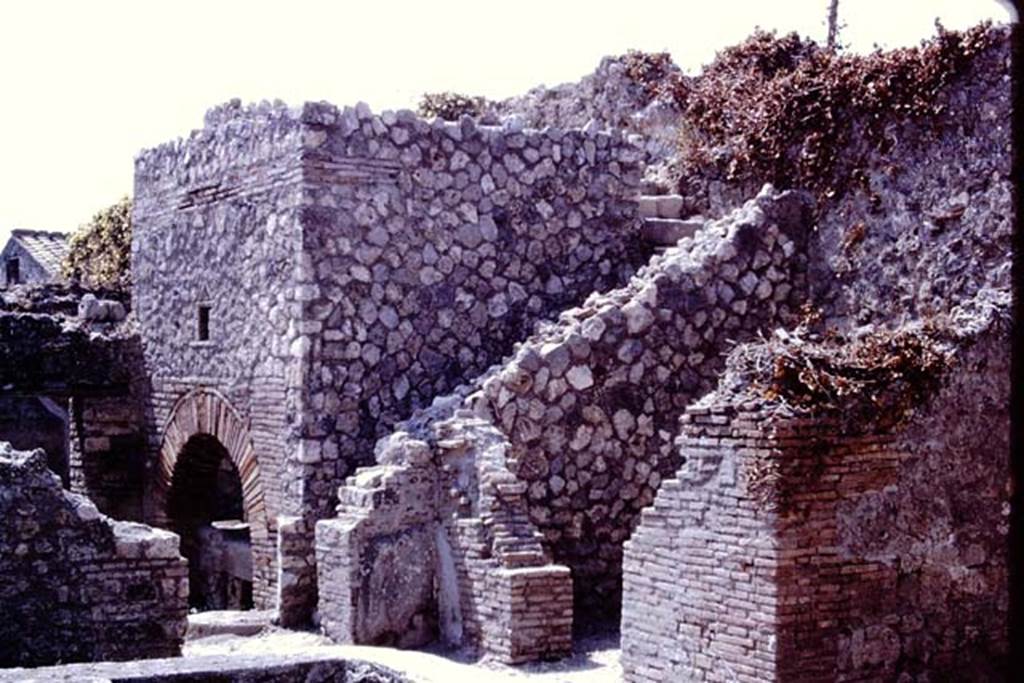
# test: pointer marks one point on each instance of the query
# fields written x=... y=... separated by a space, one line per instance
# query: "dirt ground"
x=596 y=659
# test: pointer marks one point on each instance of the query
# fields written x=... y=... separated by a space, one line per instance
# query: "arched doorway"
x=207 y=487
x=206 y=509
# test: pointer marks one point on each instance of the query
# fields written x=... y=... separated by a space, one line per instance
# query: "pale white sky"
x=86 y=85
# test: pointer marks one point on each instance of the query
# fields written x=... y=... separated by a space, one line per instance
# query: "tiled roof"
x=47 y=248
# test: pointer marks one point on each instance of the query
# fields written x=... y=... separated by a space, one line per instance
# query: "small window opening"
x=13 y=271
x=204 y=322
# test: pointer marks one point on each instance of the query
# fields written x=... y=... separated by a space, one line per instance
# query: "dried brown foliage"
x=450 y=106
x=879 y=378
x=783 y=109
x=854 y=236
x=655 y=72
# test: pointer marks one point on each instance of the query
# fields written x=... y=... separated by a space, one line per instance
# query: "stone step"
x=228 y=622
x=660 y=206
x=667 y=231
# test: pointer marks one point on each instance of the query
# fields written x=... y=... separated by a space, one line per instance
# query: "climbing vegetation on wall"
x=99 y=253
x=784 y=109
x=875 y=380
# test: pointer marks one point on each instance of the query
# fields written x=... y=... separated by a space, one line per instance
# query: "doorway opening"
x=206 y=509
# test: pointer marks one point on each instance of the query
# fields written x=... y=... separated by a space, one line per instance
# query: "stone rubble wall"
x=429 y=249
x=589 y=404
x=216 y=221
x=79 y=586
x=581 y=416
x=399 y=258
x=44 y=354
x=932 y=224
x=792 y=547
x=366 y=263
x=607 y=99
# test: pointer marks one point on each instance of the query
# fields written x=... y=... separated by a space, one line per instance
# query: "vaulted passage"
x=206 y=509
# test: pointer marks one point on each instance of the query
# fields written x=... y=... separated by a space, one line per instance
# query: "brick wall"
x=108 y=454
x=699 y=593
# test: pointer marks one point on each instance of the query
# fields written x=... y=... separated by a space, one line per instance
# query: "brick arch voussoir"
x=205 y=411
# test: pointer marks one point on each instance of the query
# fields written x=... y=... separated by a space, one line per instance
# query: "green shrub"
x=99 y=253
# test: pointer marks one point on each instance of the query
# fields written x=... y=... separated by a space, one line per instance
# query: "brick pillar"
x=797 y=548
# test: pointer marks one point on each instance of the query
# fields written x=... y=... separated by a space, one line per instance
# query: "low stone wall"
x=794 y=546
x=51 y=355
x=78 y=586
x=323 y=668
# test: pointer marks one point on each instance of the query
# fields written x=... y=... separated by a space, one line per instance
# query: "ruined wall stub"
x=79 y=586
x=86 y=371
x=473 y=570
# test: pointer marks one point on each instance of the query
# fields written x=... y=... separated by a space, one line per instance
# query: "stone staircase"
x=663 y=224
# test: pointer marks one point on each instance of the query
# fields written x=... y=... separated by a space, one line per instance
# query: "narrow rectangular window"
x=204 y=322
x=13 y=271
